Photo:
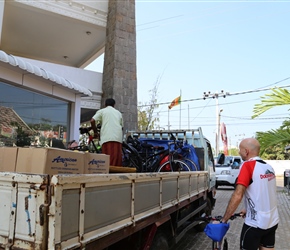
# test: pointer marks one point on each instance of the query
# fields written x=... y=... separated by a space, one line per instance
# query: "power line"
x=287 y=78
x=264 y=118
x=211 y=105
x=160 y=20
x=226 y=93
x=211 y=124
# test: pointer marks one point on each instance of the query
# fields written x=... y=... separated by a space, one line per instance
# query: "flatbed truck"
x=105 y=211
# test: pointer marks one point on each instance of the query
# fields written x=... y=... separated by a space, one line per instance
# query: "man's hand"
x=243 y=213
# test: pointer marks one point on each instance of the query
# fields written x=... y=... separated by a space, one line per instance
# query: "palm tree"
x=275 y=139
x=278 y=97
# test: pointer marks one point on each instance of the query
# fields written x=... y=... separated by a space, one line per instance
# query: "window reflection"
x=31 y=119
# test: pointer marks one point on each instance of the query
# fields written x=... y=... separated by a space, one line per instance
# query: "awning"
x=26 y=66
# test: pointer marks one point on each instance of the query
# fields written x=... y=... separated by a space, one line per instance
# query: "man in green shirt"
x=111 y=134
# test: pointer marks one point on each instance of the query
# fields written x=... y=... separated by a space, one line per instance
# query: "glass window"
x=31 y=119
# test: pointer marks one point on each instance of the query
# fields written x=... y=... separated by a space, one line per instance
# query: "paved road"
x=199 y=241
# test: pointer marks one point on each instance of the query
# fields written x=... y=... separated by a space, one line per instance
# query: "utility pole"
x=215 y=96
x=218 y=131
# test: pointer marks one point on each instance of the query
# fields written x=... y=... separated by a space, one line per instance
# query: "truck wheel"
x=160 y=242
x=200 y=227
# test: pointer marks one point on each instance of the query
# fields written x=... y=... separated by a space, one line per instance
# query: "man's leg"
x=268 y=239
x=250 y=238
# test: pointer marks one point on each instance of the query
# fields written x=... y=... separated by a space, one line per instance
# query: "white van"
x=228 y=170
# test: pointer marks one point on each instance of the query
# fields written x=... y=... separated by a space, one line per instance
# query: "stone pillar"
x=119 y=74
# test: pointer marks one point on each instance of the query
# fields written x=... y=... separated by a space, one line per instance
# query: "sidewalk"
x=196 y=241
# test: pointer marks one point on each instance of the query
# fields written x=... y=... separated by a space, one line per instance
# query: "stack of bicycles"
x=152 y=155
x=86 y=142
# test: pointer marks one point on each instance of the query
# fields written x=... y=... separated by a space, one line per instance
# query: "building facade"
x=44 y=48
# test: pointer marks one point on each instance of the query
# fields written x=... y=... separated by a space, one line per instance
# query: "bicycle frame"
x=222 y=245
x=86 y=142
x=136 y=160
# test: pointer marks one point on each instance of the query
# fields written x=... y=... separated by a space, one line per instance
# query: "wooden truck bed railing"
x=84 y=208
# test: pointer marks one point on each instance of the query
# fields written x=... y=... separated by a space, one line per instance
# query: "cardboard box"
x=96 y=163
x=8 y=157
x=49 y=161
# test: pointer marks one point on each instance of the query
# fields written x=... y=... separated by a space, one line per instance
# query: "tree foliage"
x=146 y=118
x=274 y=141
x=233 y=151
x=278 y=97
x=275 y=153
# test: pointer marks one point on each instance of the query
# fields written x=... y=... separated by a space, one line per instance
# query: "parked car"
x=227 y=170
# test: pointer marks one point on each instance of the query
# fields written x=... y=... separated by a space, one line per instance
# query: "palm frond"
x=272 y=138
x=278 y=97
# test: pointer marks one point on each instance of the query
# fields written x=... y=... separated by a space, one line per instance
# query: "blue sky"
x=200 y=46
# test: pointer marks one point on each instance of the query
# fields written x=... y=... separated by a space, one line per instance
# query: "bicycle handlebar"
x=84 y=130
x=236 y=215
x=217 y=218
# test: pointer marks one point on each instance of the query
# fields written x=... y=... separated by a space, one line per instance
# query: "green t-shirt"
x=111 y=121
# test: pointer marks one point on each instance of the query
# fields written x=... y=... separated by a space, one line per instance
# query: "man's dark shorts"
x=252 y=238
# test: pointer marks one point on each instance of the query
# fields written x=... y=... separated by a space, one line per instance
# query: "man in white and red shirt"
x=257 y=184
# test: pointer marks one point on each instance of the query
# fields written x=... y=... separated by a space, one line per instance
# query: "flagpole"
x=180 y=112
x=188 y=117
x=168 y=120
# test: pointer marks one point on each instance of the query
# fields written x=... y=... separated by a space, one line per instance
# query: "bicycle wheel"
x=216 y=245
x=223 y=245
x=130 y=158
x=191 y=164
x=173 y=166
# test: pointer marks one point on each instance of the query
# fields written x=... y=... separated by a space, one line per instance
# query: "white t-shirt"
x=260 y=196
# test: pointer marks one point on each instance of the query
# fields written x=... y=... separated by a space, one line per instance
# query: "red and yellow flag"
x=175 y=102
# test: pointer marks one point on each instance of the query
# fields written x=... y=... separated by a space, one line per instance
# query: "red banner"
x=224 y=138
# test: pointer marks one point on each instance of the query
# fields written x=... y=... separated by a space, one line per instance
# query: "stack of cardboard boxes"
x=52 y=161
x=8 y=156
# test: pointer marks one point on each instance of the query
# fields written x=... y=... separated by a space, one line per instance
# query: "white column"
x=2 y=3
x=75 y=119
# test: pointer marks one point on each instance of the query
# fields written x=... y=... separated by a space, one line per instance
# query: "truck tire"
x=200 y=227
x=208 y=209
x=160 y=242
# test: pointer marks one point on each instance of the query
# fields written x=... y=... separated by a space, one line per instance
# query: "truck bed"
x=70 y=211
